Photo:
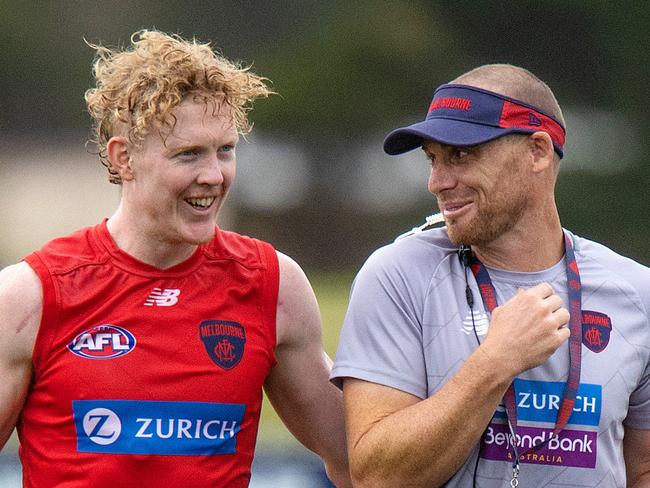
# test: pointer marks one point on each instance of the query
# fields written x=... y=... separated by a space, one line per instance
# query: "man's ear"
x=117 y=149
x=542 y=150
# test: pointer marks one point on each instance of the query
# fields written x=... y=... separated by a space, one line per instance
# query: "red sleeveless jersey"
x=146 y=377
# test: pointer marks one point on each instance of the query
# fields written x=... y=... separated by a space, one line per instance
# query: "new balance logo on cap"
x=163 y=298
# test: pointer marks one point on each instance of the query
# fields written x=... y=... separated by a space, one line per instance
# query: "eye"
x=459 y=154
x=227 y=148
x=431 y=158
x=187 y=154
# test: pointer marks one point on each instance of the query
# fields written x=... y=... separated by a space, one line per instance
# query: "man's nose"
x=211 y=172
x=441 y=178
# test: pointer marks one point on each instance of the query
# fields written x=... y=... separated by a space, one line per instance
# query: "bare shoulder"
x=20 y=314
x=290 y=272
x=298 y=316
x=21 y=299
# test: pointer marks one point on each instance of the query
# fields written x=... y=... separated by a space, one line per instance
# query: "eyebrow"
x=179 y=147
x=175 y=148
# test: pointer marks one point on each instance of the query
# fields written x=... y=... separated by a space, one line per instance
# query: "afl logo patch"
x=224 y=342
x=596 y=329
x=103 y=342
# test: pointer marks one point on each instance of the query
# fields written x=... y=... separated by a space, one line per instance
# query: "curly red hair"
x=137 y=88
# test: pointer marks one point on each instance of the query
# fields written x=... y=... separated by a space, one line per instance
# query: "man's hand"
x=527 y=329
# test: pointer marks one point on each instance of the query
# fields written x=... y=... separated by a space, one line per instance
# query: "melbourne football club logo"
x=224 y=341
x=104 y=341
x=596 y=329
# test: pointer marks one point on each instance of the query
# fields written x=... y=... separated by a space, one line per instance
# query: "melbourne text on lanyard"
x=574 y=286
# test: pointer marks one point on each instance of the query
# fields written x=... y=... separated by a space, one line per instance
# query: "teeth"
x=200 y=202
x=451 y=209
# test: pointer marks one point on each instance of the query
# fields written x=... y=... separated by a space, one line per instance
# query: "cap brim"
x=445 y=131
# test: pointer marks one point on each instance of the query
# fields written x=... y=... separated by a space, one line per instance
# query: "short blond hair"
x=137 y=88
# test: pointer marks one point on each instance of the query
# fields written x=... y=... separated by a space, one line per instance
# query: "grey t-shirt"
x=409 y=326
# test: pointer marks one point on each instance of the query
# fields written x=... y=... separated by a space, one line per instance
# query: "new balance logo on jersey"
x=163 y=298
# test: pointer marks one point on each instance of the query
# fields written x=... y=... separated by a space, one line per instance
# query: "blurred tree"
x=361 y=65
x=349 y=70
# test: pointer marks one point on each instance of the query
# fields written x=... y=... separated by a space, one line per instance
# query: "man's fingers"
x=553 y=302
x=543 y=290
x=562 y=316
x=563 y=333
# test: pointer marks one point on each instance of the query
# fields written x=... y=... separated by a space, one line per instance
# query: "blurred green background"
x=312 y=178
x=332 y=292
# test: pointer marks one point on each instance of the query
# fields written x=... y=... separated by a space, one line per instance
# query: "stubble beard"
x=490 y=223
x=497 y=216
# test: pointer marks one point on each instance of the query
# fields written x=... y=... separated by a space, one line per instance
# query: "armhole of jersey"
x=270 y=293
x=49 y=310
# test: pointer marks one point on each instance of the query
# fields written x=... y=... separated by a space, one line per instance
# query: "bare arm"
x=397 y=439
x=298 y=386
x=636 y=450
x=20 y=314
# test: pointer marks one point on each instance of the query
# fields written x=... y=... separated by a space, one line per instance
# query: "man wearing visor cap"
x=501 y=347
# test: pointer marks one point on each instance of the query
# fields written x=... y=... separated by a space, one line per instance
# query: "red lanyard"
x=488 y=295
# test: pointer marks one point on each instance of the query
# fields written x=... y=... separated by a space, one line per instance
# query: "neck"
x=133 y=238
x=531 y=249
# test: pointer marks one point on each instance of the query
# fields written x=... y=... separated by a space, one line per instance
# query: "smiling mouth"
x=454 y=209
x=201 y=203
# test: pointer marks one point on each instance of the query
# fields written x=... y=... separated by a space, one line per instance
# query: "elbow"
x=379 y=481
x=373 y=472
x=376 y=480
x=362 y=474
x=368 y=474
x=339 y=474
x=366 y=482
